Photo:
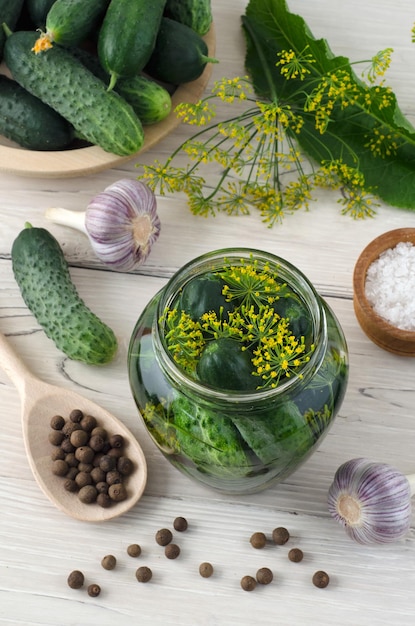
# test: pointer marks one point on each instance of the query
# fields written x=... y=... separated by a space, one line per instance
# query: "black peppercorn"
x=98 y=475
x=264 y=576
x=295 y=555
x=258 y=540
x=79 y=438
x=57 y=453
x=76 y=415
x=70 y=485
x=94 y=590
x=205 y=570
x=102 y=487
x=104 y=500
x=99 y=431
x=109 y=561
x=57 y=422
x=116 y=441
x=143 y=574
x=83 y=478
x=125 y=465
x=116 y=453
x=88 y=494
x=280 y=535
x=72 y=472
x=107 y=463
x=248 y=583
x=69 y=428
x=60 y=467
x=67 y=446
x=172 y=551
x=321 y=579
x=71 y=459
x=117 y=492
x=85 y=467
x=76 y=579
x=164 y=536
x=96 y=442
x=84 y=454
x=134 y=550
x=56 y=437
x=88 y=423
x=113 y=477
x=180 y=524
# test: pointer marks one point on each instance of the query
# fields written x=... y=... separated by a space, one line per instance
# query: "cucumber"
x=150 y=101
x=180 y=54
x=68 y=22
x=38 y=10
x=128 y=35
x=203 y=294
x=10 y=11
x=62 y=82
x=28 y=121
x=224 y=365
x=197 y=14
x=43 y=277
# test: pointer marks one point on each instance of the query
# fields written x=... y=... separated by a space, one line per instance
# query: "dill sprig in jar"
x=238 y=368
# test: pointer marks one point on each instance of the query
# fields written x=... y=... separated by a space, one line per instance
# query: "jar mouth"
x=211 y=262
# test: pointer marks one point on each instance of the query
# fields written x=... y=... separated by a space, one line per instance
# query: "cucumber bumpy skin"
x=24 y=118
x=43 y=277
x=62 y=82
x=197 y=14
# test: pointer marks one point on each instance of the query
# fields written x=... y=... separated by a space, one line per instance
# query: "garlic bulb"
x=121 y=223
x=371 y=500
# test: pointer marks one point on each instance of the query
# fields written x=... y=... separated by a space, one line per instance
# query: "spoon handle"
x=14 y=367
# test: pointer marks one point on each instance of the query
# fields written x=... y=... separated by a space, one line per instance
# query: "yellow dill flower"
x=227 y=89
x=379 y=64
x=293 y=65
x=197 y=114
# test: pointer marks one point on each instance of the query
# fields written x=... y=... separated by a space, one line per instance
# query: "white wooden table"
x=39 y=545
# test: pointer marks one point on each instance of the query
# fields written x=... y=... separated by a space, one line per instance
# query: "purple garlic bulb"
x=371 y=500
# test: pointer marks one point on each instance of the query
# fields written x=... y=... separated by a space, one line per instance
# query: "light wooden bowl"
x=92 y=159
x=382 y=333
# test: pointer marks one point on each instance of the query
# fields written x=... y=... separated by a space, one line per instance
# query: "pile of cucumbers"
x=98 y=71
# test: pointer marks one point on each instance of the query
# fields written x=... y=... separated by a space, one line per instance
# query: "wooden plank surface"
x=39 y=545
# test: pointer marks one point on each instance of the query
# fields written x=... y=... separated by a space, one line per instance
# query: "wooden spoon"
x=40 y=402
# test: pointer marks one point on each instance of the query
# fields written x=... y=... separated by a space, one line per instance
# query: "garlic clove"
x=122 y=224
x=372 y=501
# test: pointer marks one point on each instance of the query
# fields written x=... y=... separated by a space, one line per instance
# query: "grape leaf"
x=271 y=28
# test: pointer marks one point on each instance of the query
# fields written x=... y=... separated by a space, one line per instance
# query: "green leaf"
x=270 y=28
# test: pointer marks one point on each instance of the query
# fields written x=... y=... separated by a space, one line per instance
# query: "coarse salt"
x=390 y=285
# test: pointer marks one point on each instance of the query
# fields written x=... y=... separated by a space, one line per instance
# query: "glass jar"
x=238 y=440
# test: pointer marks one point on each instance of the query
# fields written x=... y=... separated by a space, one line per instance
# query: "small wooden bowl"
x=92 y=159
x=382 y=333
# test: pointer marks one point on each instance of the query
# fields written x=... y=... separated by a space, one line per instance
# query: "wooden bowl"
x=382 y=333
x=89 y=160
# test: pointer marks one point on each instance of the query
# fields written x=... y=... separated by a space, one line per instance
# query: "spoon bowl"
x=40 y=401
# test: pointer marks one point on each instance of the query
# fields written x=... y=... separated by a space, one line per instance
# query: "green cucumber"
x=180 y=54
x=38 y=10
x=43 y=277
x=28 y=121
x=224 y=365
x=197 y=14
x=203 y=294
x=68 y=22
x=128 y=35
x=150 y=101
x=62 y=82
x=10 y=11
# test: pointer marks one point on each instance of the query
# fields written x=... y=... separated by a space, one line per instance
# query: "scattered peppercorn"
x=258 y=540
x=180 y=524
x=264 y=576
x=76 y=579
x=172 y=551
x=321 y=579
x=280 y=535
x=143 y=574
x=206 y=569
x=109 y=561
x=248 y=583
x=295 y=555
x=134 y=550
x=164 y=536
x=94 y=590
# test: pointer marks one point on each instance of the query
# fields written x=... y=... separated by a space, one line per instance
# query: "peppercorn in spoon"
x=41 y=401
